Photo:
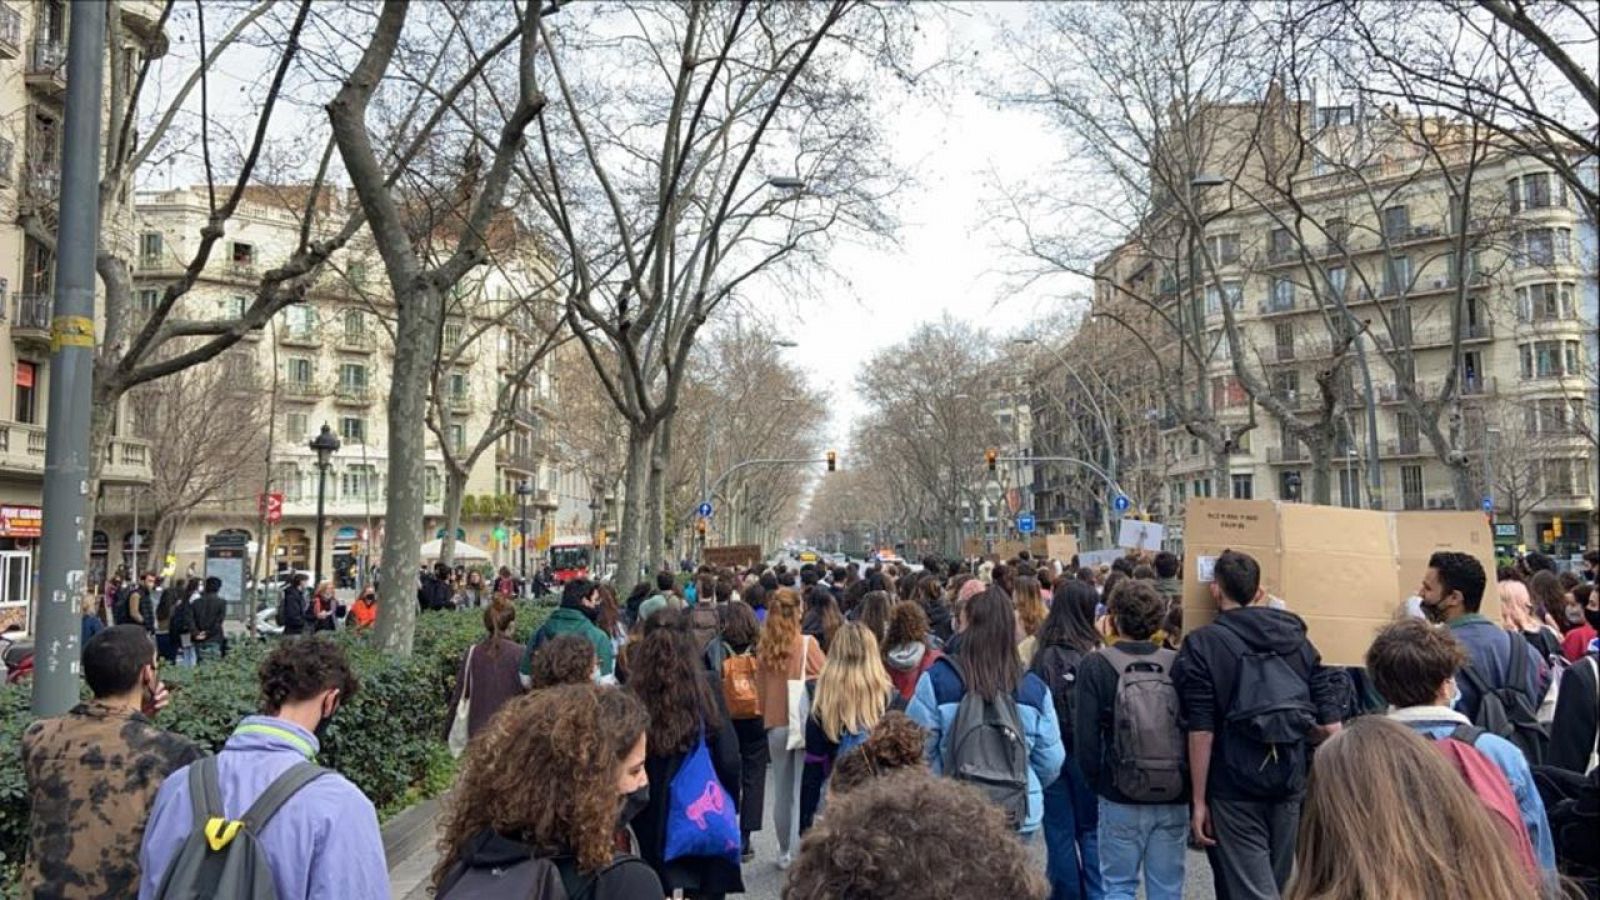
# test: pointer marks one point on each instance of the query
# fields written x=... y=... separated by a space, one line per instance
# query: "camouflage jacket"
x=92 y=775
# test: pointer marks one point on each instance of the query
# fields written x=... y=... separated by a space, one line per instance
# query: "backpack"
x=1057 y=666
x=1491 y=787
x=222 y=857
x=1147 y=746
x=989 y=750
x=741 y=685
x=1508 y=711
x=1546 y=714
x=1269 y=715
x=529 y=878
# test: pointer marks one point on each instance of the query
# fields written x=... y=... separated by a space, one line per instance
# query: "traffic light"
x=700 y=526
x=833 y=460
x=991 y=456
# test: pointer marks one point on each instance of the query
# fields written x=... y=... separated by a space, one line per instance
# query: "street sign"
x=1507 y=530
x=1025 y=523
x=1120 y=503
x=1488 y=504
x=704 y=510
x=272 y=506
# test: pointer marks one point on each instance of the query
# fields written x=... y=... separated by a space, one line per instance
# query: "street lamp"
x=325 y=444
x=786 y=183
x=524 y=491
x=783 y=343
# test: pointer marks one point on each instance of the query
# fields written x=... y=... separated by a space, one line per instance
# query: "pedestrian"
x=475 y=592
x=687 y=723
x=180 y=622
x=434 y=592
x=292 y=609
x=929 y=593
x=1166 y=567
x=1575 y=727
x=210 y=612
x=580 y=608
x=487 y=678
x=984 y=686
x=364 y=612
x=505 y=585
x=1031 y=613
x=324 y=840
x=139 y=605
x=89 y=622
x=1517 y=617
x=1377 y=790
x=786 y=656
x=908 y=647
x=1071 y=807
x=166 y=646
x=741 y=689
x=1254 y=696
x=874 y=614
x=910 y=835
x=822 y=617
x=1580 y=640
x=503 y=831
x=852 y=694
x=895 y=744
x=565 y=659
x=87 y=816
x=324 y=604
x=1414 y=666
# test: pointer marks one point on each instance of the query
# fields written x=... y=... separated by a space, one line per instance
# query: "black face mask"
x=1593 y=615
x=321 y=731
x=592 y=613
x=633 y=803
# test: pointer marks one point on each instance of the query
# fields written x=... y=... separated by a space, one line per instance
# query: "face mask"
x=633 y=803
x=321 y=731
x=592 y=613
x=1593 y=617
x=1454 y=693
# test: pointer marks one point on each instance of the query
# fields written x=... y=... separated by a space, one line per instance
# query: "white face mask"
x=1453 y=693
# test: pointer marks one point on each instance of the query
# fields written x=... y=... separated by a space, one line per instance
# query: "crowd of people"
x=904 y=732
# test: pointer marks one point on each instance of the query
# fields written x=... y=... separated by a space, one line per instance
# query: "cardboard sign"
x=1137 y=535
x=1347 y=572
x=1062 y=547
x=1092 y=558
x=734 y=556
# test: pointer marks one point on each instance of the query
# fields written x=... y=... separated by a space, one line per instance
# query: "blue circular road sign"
x=1120 y=503
x=704 y=510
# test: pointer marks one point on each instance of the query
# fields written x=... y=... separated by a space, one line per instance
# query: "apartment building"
x=32 y=93
x=1371 y=247
x=328 y=361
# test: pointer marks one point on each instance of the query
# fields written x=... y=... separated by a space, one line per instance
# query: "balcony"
x=30 y=320
x=1442 y=335
x=516 y=461
x=301 y=391
x=142 y=17
x=545 y=498
x=242 y=269
x=41 y=183
x=46 y=71
x=21 y=448
x=1277 y=354
x=127 y=462
x=1286 y=455
x=10 y=32
x=357 y=341
x=1404 y=446
x=352 y=394
x=8 y=160
x=296 y=336
x=1479 y=386
x=460 y=403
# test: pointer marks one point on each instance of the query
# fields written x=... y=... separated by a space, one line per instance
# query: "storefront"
x=20 y=527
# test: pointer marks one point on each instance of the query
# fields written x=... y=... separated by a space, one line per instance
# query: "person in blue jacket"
x=988 y=663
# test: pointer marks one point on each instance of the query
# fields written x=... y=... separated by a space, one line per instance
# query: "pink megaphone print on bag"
x=710 y=802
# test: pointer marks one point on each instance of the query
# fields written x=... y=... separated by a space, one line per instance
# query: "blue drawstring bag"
x=702 y=820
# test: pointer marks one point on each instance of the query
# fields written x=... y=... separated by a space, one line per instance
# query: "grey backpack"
x=223 y=857
x=1147 y=745
x=989 y=750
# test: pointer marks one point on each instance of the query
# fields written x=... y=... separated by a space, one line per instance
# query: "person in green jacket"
x=580 y=606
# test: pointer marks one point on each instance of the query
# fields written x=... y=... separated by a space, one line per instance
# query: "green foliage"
x=469 y=507
x=388 y=739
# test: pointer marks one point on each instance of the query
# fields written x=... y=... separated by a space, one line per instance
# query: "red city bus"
x=568 y=560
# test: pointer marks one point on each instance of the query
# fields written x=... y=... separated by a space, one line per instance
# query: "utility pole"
x=67 y=450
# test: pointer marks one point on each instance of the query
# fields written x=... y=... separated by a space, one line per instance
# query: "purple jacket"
x=323 y=843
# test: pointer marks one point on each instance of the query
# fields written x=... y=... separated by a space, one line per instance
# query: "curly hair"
x=908 y=624
x=301 y=668
x=568 y=659
x=896 y=743
x=911 y=834
x=579 y=732
x=668 y=677
x=781 y=629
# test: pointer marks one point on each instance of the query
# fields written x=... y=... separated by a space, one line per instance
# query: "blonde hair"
x=1386 y=815
x=1515 y=605
x=853 y=690
x=1031 y=611
x=780 y=630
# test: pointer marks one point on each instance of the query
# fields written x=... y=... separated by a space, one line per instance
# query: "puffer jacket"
x=906 y=663
x=938 y=697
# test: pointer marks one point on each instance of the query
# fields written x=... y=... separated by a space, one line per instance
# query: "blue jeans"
x=1152 y=834
x=1071 y=823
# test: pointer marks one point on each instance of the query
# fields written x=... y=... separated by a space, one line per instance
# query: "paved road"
x=762 y=879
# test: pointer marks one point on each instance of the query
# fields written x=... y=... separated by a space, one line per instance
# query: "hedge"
x=388 y=739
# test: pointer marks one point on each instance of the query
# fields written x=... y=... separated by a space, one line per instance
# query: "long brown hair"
x=875 y=613
x=988 y=659
x=1386 y=815
x=667 y=675
x=584 y=732
x=1030 y=605
x=781 y=628
x=498 y=618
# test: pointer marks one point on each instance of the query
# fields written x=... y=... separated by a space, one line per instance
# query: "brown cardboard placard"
x=1347 y=572
x=1062 y=547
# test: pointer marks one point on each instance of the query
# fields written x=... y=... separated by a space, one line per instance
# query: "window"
x=1243 y=487
x=1337 y=231
x=353 y=429
x=1550 y=359
x=1233 y=290
x=300 y=370
x=1286 y=386
x=458 y=385
x=432 y=485
x=1226 y=391
x=1572 y=354
x=352 y=377
x=1396 y=222
x=1289 y=485
x=1411 y=486
x=287 y=479
x=26 y=406
x=358 y=482
x=1405 y=425
x=1542 y=247
x=231 y=307
x=355 y=323
x=1349 y=487
x=452 y=336
x=1224 y=248
x=1202 y=487
x=1283 y=338
x=1558 y=477
x=148 y=300
x=1545 y=302
x=1336 y=280
x=1397 y=275
x=243 y=255
x=1534 y=192
x=1335 y=115
x=294 y=427
x=1282 y=294
x=150 y=248
x=458 y=439
x=1400 y=325
x=1280 y=244
x=356 y=273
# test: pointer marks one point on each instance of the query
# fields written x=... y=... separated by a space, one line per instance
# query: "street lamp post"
x=524 y=491
x=325 y=444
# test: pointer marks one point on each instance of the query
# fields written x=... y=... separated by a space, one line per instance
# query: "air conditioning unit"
x=1433 y=503
x=1439 y=283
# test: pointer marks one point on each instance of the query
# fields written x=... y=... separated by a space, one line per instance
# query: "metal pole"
x=524 y=526
x=1374 y=464
x=322 y=486
x=67 y=451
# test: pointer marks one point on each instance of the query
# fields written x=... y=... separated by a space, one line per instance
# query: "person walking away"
x=1031 y=613
x=1575 y=727
x=503 y=843
x=1517 y=617
x=180 y=624
x=210 y=611
x=786 y=659
x=1414 y=667
x=705 y=625
x=1167 y=584
x=1071 y=809
x=1253 y=697
x=164 y=598
x=1376 y=788
x=689 y=736
x=434 y=592
x=907 y=647
x=580 y=608
x=741 y=691
x=364 y=612
x=292 y=612
x=852 y=694
x=92 y=774
x=488 y=677
x=1128 y=740
x=822 y=617
x=89 y=618
x=323 y=840
x=1499 y=662
x=988 y=723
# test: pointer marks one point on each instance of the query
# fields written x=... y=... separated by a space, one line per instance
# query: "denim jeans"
x=1071 y=837
x=186 y=656
x=1154 y=835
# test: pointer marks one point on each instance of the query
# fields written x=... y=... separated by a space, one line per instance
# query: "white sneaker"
x=784 y=859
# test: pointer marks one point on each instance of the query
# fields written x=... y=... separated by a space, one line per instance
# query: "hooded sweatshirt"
x=906 y=663
x=1208 y=664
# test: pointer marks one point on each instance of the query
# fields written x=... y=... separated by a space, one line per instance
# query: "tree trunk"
x=1321 y=473
x=415 y=347
x=656 y=521
x=455 y=492
x=630 y=542
x=1221 y=470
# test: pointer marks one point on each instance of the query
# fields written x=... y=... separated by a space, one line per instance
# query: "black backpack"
x=1057 y=666
x=1269 y=717
x=1508 y=711
x=527 y=877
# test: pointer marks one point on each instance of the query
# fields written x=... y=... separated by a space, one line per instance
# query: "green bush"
x=388 y=740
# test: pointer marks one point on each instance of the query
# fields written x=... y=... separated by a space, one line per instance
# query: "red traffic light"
x=833 y=460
